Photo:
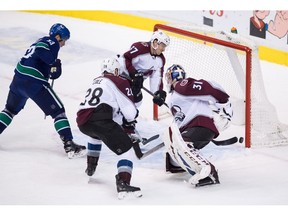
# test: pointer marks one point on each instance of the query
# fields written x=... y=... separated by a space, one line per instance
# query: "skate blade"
x=205 y=184
x=197 y=185
x=72 y=155
x=127 y=195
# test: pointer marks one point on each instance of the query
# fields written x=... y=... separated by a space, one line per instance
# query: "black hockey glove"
x=137 y=80
x=159 y=97
x=129 y=127
x=56 y=69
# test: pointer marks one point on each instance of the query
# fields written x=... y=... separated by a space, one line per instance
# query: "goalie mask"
x=161 y=37
x=110 y=65
x=174 y=74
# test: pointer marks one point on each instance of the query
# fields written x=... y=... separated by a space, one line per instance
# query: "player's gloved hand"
x=129 y=127
x=137 y=80
x=56 y=69
x=159 y=97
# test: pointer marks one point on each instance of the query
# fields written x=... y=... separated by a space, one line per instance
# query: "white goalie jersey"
x=192 y=98
x=190 y=103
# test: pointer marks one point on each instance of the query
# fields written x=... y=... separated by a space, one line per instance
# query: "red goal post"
x=233 y=62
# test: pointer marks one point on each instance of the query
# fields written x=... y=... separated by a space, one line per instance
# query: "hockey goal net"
x=233 y=62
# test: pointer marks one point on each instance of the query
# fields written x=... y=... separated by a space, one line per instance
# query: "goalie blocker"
x=189 y=158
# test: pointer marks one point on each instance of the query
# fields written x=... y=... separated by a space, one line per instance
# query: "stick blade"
x=230 y=141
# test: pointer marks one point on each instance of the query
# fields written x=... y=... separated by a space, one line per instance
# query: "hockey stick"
x=140 y=155
x=230 y=141
x=149 y=92
x=52 y=84
x=152 y=150
x=146 y=141
x=145 y=89
x=226 y=142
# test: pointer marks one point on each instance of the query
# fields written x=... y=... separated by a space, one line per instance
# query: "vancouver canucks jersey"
x=36 y=62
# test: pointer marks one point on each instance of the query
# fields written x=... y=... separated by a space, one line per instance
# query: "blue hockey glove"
x=56 y=69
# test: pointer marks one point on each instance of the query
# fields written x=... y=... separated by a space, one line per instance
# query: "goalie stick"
x=230 y=141
x=142 y=155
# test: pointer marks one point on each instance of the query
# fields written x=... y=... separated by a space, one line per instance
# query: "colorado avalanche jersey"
x=140 y=59
x=36 y=62
x=192 y=97
x=114 y=91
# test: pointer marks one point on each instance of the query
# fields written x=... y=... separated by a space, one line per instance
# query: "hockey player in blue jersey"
x=32 y=73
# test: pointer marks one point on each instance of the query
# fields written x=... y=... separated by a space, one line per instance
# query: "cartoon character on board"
x=279 y=26
x=258 y=27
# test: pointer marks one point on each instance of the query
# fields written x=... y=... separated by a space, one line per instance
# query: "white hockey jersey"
x=192 y=97
x=139 y=59
x=112 y=90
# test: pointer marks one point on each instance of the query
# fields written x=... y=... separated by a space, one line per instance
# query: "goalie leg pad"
x=205 y=171
x=209 y=180
x=188 y=158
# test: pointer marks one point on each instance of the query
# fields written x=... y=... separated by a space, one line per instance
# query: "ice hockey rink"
x=35 y=170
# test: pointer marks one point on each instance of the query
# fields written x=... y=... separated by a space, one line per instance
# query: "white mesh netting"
x=227 y=66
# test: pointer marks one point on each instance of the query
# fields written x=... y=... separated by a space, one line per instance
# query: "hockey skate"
x=74 y=150
x=91 y=165
x=124 y=189
x=172 y=168
x=209 y=180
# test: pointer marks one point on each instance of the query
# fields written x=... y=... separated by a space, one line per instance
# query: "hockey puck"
x=241 y=139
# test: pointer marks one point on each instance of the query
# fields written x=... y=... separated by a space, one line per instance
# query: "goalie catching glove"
x=159 y=97
x=56 y=69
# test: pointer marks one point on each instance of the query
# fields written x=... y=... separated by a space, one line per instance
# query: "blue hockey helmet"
x=61 y=30
x=174 y=73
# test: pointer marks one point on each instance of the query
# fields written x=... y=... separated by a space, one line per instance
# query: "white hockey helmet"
x=110 y=65
x=161 y=37
x=174 y=73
